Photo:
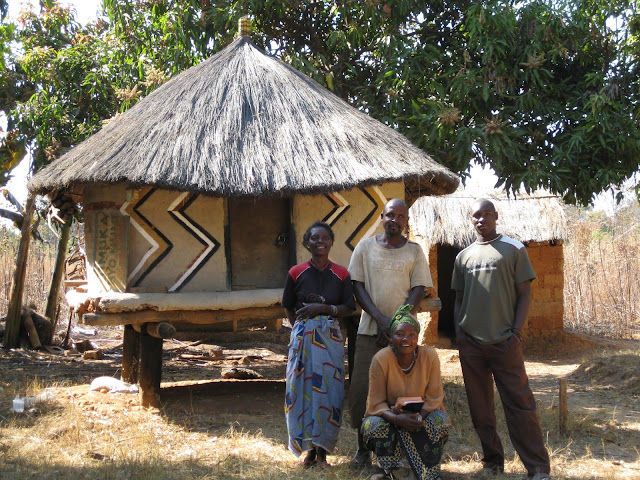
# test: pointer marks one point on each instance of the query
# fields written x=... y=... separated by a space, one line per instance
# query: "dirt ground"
x=194 y=393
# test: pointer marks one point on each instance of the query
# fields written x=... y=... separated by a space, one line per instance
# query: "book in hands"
x=410 y=404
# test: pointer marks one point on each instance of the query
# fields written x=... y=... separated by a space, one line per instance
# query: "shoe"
x=541 y=476
x=361 y=460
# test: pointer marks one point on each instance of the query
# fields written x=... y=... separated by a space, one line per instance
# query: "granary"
x=442 y=225
x=196 y=199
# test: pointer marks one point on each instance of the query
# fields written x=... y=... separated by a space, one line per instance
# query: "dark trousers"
x=366 y=348
x=505 y=363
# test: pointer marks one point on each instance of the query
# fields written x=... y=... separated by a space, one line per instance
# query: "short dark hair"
x=318 y=224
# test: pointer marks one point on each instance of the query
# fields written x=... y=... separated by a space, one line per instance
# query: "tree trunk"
x=58 y=271
x=17 y=286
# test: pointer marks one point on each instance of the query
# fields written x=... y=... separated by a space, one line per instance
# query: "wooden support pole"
x=12 y=332
x=150 y=370
x=130 y=355
x=58 y=271
x=564 y=413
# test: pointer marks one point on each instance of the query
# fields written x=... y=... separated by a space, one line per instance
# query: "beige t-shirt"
x=388 y=275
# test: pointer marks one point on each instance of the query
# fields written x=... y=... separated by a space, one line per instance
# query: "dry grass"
x=42 y=257
x=602 y=274
x=81 y=436
x=85 y=435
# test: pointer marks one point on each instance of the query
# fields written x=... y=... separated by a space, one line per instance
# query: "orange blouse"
x=387 y=382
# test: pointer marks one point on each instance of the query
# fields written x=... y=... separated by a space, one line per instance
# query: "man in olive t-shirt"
x=492 y=279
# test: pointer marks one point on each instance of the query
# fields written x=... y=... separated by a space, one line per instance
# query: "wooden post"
x=11 y=334
x=130 y=355
x=58 y=270
x=32 y=333
x=563 y=406
x=150 y=370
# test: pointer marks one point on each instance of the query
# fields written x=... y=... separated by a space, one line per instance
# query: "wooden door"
x=259 y=242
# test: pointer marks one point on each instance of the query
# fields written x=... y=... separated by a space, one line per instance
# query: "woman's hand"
x=411 y=422
x=311 y=310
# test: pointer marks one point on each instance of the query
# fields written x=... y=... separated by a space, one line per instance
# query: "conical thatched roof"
x=527 y=218
x=243 y=123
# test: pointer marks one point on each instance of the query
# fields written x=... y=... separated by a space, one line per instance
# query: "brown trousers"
x=366 y=348
x=505 y=362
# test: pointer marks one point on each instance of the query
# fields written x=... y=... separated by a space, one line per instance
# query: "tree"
x=544 y=92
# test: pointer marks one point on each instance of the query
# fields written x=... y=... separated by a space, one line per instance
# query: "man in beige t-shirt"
x=387 y=271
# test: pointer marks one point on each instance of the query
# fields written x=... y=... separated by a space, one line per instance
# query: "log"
x=197 y=317
x=156 y=329
x=58 y=272
x=563 y=410
x=32 y=333
x=150 y=372
x=130 y=355
x=14 y=314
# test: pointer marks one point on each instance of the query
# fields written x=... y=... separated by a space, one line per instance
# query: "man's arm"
x=416 y=294
x=368 y=306
x=523 y=302
x=456 y=311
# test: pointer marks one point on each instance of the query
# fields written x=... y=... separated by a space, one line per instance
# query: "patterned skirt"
x=315 y=384
x=395 y=447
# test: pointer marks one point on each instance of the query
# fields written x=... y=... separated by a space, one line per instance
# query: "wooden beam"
x=198 y=317
x=156 y=329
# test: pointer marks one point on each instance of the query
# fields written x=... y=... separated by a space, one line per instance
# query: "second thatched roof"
x=528 y=218
x=243 y=123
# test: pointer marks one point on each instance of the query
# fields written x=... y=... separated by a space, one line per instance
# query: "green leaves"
x=544 y=92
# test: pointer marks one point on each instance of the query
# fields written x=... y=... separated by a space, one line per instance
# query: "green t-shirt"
x=487 y=273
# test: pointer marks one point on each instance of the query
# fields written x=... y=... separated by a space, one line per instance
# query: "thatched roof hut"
x=443 y=226
x=243 y=123
x=527 y=218
x=207 y=184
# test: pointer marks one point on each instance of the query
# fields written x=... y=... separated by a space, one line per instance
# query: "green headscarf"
x=403 y=315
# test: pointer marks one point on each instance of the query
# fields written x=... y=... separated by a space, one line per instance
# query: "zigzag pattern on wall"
x=372 y=220
x=177 y=210
x=340 y=206
x=160 y=245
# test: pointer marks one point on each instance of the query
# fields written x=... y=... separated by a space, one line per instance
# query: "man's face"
x=394 y=218
x=483 y=218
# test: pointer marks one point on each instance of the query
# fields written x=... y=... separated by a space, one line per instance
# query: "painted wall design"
x=173 y=241
x=353 y=214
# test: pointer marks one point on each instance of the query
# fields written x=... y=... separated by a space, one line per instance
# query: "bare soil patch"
x=207 y=412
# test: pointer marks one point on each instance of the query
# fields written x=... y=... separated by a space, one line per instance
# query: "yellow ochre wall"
x=360 y=218
x=141 y=228
x=128 y=233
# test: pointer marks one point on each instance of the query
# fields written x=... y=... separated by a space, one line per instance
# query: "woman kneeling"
x=404 y=441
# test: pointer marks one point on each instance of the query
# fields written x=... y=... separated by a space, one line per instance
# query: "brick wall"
x=547 y=306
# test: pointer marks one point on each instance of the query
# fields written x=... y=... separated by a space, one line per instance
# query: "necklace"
x=413 y=362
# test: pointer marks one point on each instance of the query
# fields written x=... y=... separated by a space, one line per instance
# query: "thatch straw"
x=527 y=218
x=243 y=123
